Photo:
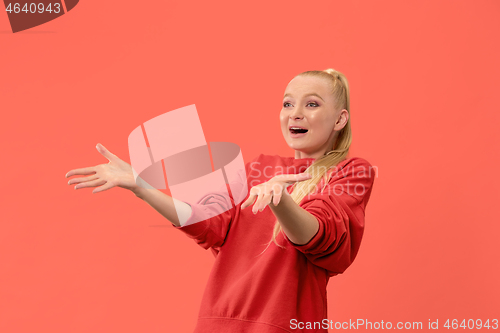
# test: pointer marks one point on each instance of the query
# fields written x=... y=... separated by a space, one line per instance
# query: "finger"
x=277 y=191
x=82 y=171
x=93 y=183
x=106 y=153
x=82 y=179
x=249 y=201
x=276 y=199
x=255 y=207
x=254 y=191
x=266 y=200
x=105 y=187
x=301 y=176
x=294 y=177
x=298 y=177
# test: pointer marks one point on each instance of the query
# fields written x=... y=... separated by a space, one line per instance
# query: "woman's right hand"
x=115 y=173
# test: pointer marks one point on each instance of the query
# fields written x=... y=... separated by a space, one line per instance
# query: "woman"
x=272 y=265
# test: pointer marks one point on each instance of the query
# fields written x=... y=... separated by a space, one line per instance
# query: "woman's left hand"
x=271 y=190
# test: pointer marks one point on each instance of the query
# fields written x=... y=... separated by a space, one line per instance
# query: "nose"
x=296 y=113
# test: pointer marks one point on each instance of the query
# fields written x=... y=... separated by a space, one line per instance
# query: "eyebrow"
x=311 y=94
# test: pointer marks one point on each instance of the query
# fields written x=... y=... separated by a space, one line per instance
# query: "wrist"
x=138 y=191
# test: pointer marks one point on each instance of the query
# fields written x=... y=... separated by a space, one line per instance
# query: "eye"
x=285 y=104
x=313 y=104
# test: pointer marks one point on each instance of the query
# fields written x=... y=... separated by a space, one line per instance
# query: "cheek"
x=322 y=126
x=321 y=120
x=283 y=119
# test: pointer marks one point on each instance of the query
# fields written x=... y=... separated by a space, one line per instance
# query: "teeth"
x=296 y=128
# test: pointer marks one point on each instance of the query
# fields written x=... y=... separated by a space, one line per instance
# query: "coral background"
x=423 y=77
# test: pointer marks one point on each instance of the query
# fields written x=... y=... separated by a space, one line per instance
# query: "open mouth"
x=297 y=130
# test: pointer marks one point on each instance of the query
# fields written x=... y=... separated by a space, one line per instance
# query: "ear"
x=341 y=120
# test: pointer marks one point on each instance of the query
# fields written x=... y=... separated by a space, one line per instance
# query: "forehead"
x=308 y=84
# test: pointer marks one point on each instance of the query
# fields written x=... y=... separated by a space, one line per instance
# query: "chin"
x=298 y=148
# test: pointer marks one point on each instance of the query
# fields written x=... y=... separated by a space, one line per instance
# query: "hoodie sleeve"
x=340 y=210
x=212 y=232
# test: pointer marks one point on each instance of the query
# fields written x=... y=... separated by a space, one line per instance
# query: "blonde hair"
x=318 y=170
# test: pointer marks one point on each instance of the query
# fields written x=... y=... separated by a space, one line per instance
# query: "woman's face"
x=308 y=104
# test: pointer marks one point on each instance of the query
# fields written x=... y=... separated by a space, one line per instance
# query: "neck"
x=299 y=155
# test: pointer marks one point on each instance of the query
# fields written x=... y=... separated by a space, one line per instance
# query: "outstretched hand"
x=272 y=190
x=115 y=173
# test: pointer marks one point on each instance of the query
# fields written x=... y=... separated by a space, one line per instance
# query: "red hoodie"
x=280 y=290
